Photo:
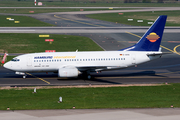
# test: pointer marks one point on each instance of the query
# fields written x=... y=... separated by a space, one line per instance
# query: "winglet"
x=151 y=40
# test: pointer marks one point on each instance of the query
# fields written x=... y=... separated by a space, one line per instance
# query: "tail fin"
x=151 y=40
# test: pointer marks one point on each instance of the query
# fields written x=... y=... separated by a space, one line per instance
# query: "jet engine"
x=68 y=72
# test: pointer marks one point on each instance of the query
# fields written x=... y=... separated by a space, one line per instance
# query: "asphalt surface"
x=65 y=30
x=162 y=70
x=89 y=114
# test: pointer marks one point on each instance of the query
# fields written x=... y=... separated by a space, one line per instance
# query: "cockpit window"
x=15 y=60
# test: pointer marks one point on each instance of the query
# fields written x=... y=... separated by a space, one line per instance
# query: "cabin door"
x=29 y=61
x=133 y=59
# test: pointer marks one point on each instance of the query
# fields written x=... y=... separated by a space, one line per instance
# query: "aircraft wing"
x=99 y=68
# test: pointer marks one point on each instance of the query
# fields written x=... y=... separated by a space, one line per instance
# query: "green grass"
x=84 y=3
x=30 y=43
x=24 y=22
x=104 y=4
x=87 y=98
x=172 y=20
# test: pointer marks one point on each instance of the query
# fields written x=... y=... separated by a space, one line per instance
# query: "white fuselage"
x=83 y=61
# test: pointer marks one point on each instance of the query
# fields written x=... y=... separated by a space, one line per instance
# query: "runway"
x=109 y=36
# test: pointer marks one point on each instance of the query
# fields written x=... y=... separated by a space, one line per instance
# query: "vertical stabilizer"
x=151 y=40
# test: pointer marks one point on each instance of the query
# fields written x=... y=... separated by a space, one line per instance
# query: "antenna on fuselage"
x=77 y=50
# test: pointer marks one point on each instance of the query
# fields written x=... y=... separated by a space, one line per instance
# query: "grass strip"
x=31 y=43
x=87 y=3
x=172 y=20
x=89 y=98
x=24 y=21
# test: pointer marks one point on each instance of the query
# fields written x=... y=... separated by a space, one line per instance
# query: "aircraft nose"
x=6 y=65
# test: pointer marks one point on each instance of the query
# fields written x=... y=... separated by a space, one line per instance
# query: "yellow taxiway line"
x=39 y=78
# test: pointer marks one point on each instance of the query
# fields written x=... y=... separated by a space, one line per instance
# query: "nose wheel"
x=24 y=76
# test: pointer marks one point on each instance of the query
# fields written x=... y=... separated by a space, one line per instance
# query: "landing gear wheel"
x=89 y=77
x=24 y=76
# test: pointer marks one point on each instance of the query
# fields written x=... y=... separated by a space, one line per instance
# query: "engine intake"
x=68 y=72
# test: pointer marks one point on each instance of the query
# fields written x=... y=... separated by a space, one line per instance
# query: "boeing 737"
x=72 y=64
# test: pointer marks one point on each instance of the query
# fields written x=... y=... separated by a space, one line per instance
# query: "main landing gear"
x=86 y=75
x=89 y=77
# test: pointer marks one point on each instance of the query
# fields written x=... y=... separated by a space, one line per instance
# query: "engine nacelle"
x=68 y=72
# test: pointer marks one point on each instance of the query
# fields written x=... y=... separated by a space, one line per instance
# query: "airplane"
x=72 y=64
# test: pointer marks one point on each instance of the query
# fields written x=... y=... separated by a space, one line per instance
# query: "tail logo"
x=153 y=37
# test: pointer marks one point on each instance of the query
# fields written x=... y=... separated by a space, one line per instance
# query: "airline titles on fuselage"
x=55 y=57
